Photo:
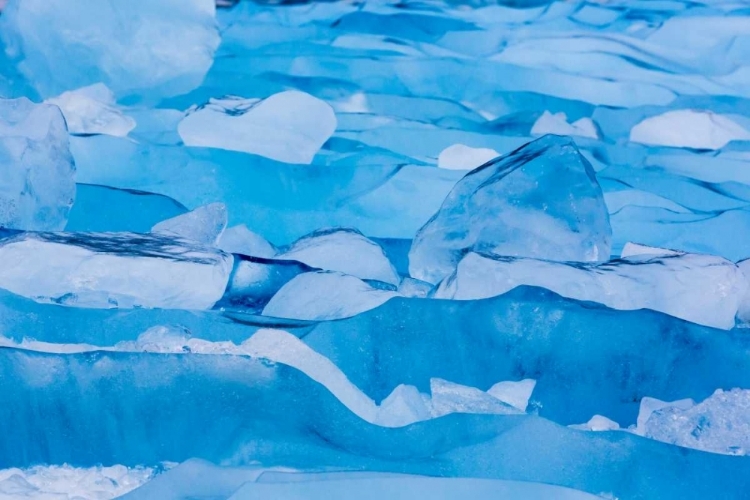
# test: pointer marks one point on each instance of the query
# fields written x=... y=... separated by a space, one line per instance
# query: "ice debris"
x=204 y=225
x=541 y=201
x=461 y=157
x=154 y=49
x=92 y=110
x=289 y=126
x=689 y=128
x=106 y=270
x=37 y=184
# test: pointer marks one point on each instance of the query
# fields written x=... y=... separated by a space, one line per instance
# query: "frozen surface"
x=37 y=186
x=540 y=201
x=345 y=250
x=120 y=270
x=289 y=126
x=204 y=225
x=703 y=289
x=92 y=110
x=154 y=49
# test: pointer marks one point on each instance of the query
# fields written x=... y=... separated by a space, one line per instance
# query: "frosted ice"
x=516 y=394
x=448 y=397
x=704 y=289
x=289 y=126
x=157 y=49
x=345 y=250
x=540 y=201
x=557 y=123
x=92 y=110
x=688 y=128
x=239 y=239
x=37 y=185
x=104 y=270
x=325 y=295
x=204 y=225
x=461 y=157
x=649 y=405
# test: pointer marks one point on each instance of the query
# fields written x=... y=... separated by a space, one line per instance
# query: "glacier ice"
x=689 y=128
x=550 y=203
x=37 y=187
x=325 y=295
x=92 y=110
x=461 y=157
x=104 y=270
x=239 y=239
x=344 y=250
x=204 y=225
x=704 y=289
x=289 y=126
x=150 y=50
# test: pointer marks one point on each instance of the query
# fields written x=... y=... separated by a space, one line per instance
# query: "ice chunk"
x=688 y=128
x=540 y=201
x=204 y=225
x=152 y=48
x=404 y=406
x=325 y=295
x=37 y=185
x=448 y=397
x=516 y=394
x=597 y=423
x=636 y=249
x=650 y=405
x=460 y=157
x=704 y=289
x=289 y=126
x=239 y=239
x=557 y=123
x=719 y=424
x=92 y=110
x=105 y=270
x=345 y=250
x=410 y=287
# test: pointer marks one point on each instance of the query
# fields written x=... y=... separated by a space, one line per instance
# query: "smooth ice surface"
x=557 y=123
x=344 y=250
x=325 y=295
x=120 y=270
x=92 y=110
x=37 y=185
x=689 y=129
x=239 y=239
x=204 y=225
x=158 y=49
x=289 y=126
x=704 y=289
x=461 y=157
x=540 y=201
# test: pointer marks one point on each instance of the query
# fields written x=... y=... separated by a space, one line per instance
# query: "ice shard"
x=204 y=225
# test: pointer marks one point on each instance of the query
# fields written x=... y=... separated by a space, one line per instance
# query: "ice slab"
x=344 y=250
x=37 y=187
x=204 y=225
x=704 y=289
x=289 y=126
x=92 y=110
x=121 y=270
x=461 y=157
x=239 y=239
x=95 y=41
x=325 y=295
x=688 y=128
x=540 y=201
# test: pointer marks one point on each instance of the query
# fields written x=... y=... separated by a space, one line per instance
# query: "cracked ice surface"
x=397 y=249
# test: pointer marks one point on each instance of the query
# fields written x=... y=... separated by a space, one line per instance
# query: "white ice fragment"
x=597 y=423
x=405 y=405
x=345 y=250
x=448 y=397
x=289 y=126
x=516 y=394
x=325 y=295
x=105 y=270
x=650 y=405
x=239 y=239
x=356 y=103
x=688 y=128
x=638 y=250
x=204 y=225
x=461 y=157
x=557 y=123
x=92 y=110
x=37 y=183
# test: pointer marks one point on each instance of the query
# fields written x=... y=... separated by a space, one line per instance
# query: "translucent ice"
x=540 y=201
x=557 y=123
x=325 y=295
x=37 y=185
x=689 y=128
x=460 y=157
x=345 y=250
x=203 y=225
x=290 y=126
x=157 y=49
x=106 y=270
x=516 y=394
x=649 y=405
x=239 y=239
x=92 y=110
x=448 y=397
x=704 y=289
